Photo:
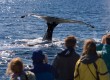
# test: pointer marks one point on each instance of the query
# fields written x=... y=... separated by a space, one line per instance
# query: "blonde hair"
x=70 y=41
x=15 y=66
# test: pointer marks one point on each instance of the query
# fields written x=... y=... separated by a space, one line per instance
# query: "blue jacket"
x=42 y=71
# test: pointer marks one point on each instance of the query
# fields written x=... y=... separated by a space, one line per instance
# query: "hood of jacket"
x=88 y=59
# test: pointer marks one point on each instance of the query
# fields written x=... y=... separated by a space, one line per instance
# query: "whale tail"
x=52 y=22
x=49 y=32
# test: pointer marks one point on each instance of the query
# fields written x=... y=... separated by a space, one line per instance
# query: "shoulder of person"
x=99 y=60
x=78 y=62
x=29 y=73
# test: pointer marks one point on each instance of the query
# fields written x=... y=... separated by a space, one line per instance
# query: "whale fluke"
x=52 y=22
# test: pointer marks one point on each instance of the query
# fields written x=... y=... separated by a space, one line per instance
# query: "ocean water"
x=17 y=34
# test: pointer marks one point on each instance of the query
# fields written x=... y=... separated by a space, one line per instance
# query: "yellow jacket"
x=82 y=72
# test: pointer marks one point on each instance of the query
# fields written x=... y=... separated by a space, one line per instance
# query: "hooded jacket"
x=85 y=69
x=43 y=71
x=64 y=63
x=105 y=53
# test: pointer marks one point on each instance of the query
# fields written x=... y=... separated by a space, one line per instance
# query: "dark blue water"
x=17 y=33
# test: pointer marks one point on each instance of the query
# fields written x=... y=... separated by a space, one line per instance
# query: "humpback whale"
x=52 y=22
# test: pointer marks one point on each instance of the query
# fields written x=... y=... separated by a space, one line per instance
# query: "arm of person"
x=30 y=75
x=103 y=71
x=99 y=47
x=76 y=73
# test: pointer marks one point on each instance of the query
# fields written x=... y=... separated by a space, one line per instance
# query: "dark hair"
x=38 y=56
x=70 y=41
x=108 y=39
x=89 y=47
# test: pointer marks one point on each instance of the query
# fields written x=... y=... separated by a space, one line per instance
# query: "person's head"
x=15 y=66
x=89 y=47
x=39 y=57
x=108 y=39
x=70 y=41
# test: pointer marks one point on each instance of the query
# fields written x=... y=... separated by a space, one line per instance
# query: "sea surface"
x=19 y=37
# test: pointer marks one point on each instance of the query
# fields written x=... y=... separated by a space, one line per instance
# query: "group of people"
x=92 y=64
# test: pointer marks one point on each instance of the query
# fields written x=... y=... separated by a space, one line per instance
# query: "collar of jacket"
x=67 y=52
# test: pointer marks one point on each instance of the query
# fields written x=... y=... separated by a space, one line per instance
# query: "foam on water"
x=21 y=48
